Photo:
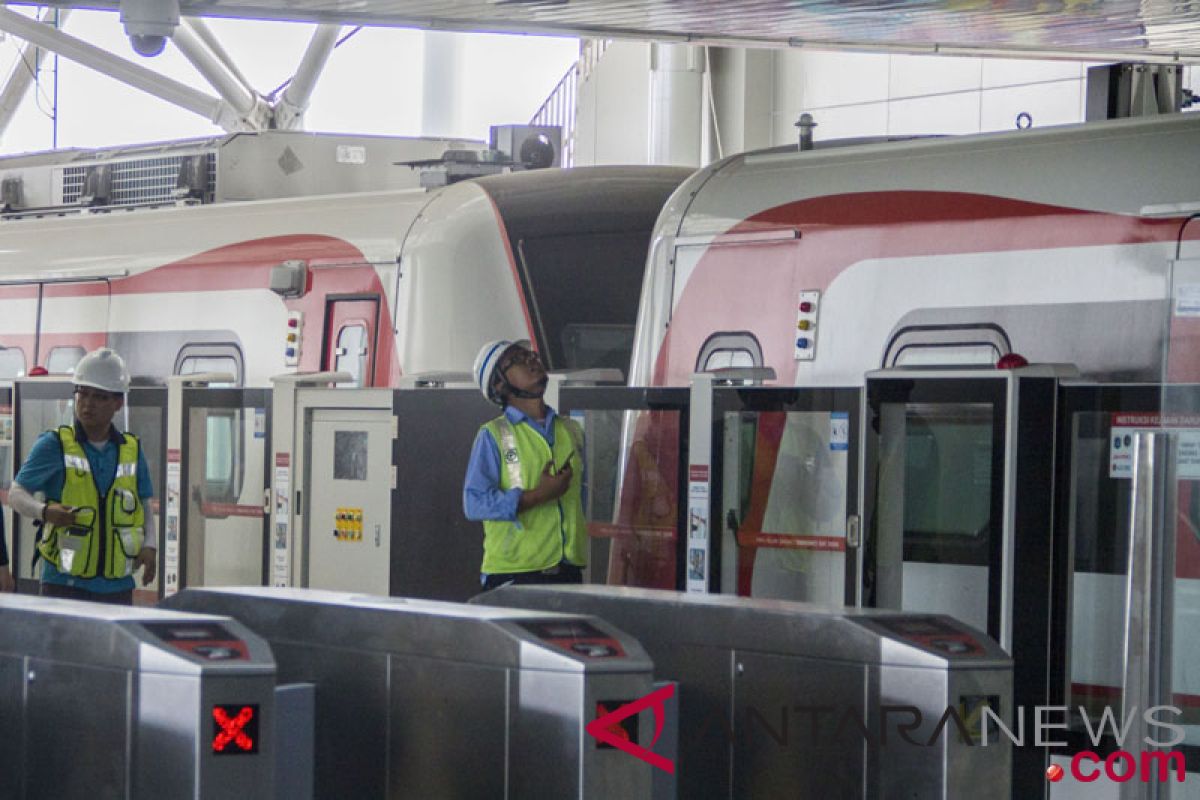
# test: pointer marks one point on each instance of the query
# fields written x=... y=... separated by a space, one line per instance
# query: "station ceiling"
x=1146 y=30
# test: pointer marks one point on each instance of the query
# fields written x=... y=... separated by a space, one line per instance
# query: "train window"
x=560 y=273
x=194 y=359
x=948 y=482
x=12 y=363
x=351 y=353
x=224 y=427
x=729 y=349
x=598 y=345
x=62 y=360
x=218 y=463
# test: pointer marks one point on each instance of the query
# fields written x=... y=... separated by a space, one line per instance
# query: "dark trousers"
x=564 y=573
x=124 y=598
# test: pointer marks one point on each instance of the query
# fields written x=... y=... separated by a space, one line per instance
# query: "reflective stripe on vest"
x=509 y=456
x=116 y=521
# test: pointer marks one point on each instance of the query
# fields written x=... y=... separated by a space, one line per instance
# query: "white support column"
x=439 y=109
x=248 y=111
x=740 y=106
x=289 y=111
x=205 y=34
x=676 y=104
x=27 y=66
x=113 y=66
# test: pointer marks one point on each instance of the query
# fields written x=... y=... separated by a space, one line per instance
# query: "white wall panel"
x=910 y=76
x=614 y=108
x=835 y=79
x=1058 y=103
x=942 y=114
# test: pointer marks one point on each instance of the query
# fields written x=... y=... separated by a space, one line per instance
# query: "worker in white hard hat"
x=97 y=529
x=524 y=478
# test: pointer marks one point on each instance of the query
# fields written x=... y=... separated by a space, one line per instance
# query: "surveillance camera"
x=147 y=45
x=149 y=23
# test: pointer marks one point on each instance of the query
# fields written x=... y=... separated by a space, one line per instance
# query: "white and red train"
x=380 y=284
x=1075 y=245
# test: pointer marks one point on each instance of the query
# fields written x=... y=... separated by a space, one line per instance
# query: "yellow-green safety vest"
x=548 y=533
x=75 y=549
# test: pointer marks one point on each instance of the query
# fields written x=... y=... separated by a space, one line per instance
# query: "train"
x=1076 y=245
x=383 y=285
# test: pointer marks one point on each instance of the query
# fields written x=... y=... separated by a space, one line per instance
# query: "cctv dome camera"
x=149 y=23
x=147 y=45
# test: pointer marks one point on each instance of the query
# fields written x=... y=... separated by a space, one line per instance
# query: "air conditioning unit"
x=529 y=146
x=1133 y=90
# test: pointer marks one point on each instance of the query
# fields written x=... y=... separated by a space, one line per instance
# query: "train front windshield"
x=583 y=292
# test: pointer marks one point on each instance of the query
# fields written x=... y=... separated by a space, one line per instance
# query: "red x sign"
x=232 y=729
x=602 y=727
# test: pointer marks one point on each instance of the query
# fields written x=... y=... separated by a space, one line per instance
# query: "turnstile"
x=783 y=699
x=423 y=699
x=102 y=701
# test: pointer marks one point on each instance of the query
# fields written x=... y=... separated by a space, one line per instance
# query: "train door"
x=351 y=327
x=958 y=503
x=40 y=404
x=1099 y=424
x=146 y=411
x=635 y=466
x=784 y=494
x=217 y=490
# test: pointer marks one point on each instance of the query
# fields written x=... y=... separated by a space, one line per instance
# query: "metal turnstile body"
x=422 y=699
x=783 y=699
x=103 y=701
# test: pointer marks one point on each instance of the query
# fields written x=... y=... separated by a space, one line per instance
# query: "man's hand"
x=556 y=485
x=147 y=559
x=58 y=514
x=550 y=487
x=7 y=584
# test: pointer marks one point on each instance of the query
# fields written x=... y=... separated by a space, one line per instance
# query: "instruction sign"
x=171 y=549
x=839 y=430
x=1187 y=300
x=279 y=550
x=1124 y=426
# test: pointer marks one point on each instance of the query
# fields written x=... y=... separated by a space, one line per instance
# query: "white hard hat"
x=485 y=366
x=102 y=369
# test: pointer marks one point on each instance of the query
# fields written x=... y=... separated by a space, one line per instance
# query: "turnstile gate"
x=102 y=701
x=423 y=699
x=783 y=699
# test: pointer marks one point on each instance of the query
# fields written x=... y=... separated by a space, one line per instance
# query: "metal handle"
x=1149 y=587
x=853 y=531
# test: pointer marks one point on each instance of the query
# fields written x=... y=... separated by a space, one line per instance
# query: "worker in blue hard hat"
x=97 y=529
x=524 y=478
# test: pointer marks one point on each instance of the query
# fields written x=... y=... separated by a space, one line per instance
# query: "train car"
x=1073 y=245
x=379 y=284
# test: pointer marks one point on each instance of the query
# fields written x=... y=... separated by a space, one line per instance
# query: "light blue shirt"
x=482 y=496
